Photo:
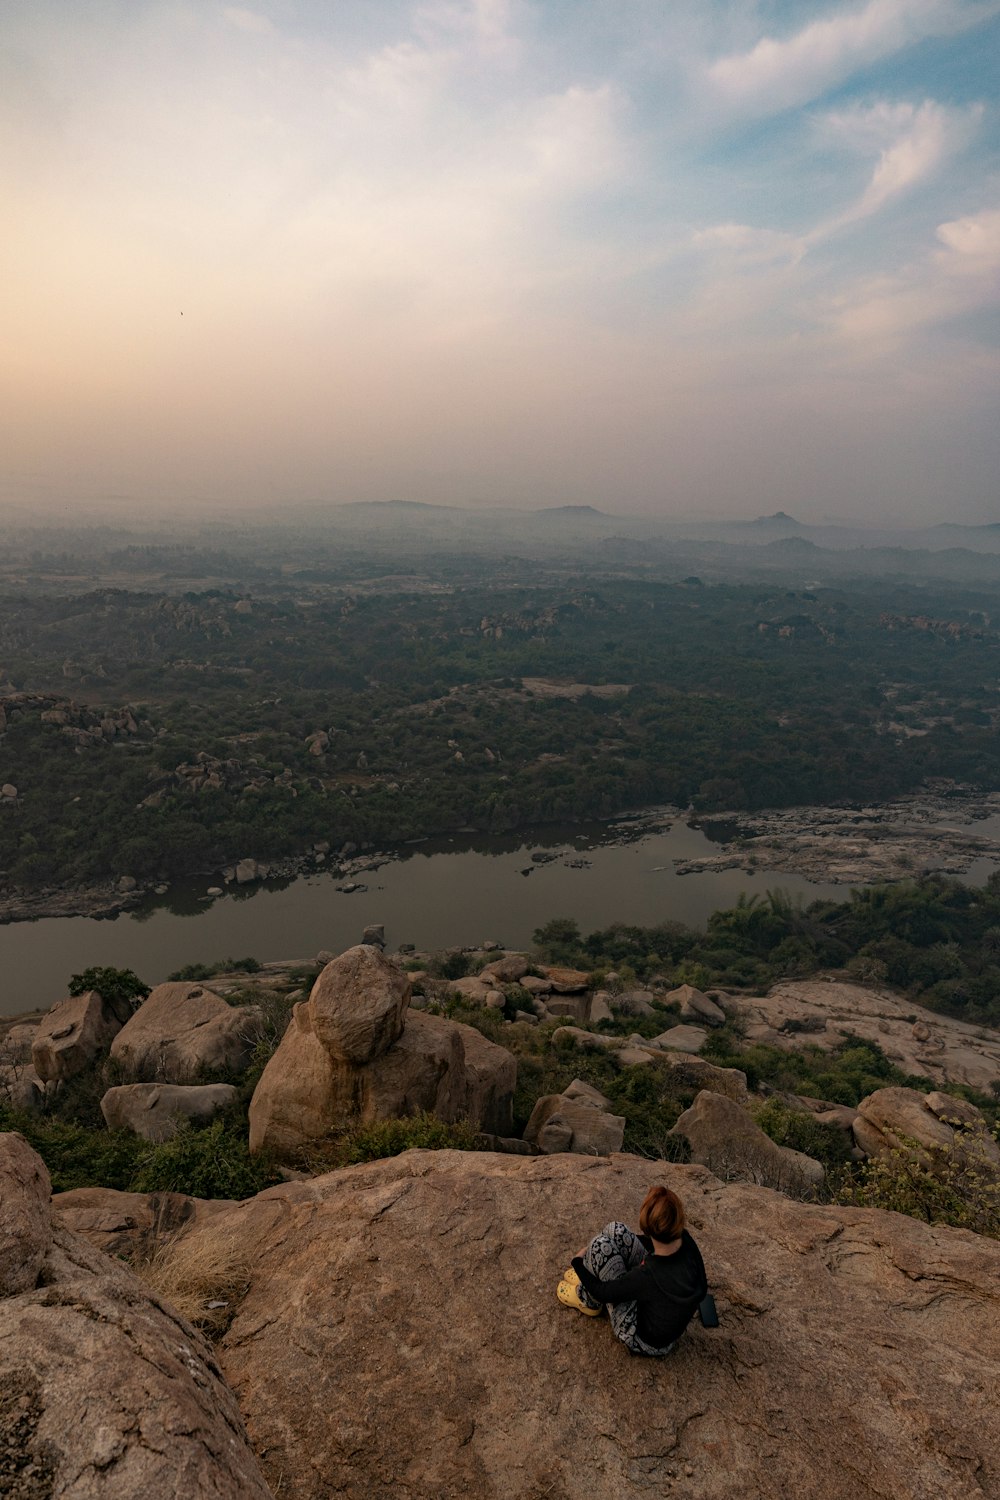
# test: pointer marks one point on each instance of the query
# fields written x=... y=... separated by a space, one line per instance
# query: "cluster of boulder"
x=180 y=1033
x=362 y=1048
x=355 y=1051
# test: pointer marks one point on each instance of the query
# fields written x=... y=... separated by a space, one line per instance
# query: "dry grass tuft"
x=203 y=1279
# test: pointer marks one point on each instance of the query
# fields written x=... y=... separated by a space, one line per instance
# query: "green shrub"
x=211 y=1163
x=380 y=1138
x=112 y=984
x=76 y=1156
x=803 y=1132
x=957 y=1184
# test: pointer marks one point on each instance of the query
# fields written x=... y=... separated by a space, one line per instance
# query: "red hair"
x=662 y=1215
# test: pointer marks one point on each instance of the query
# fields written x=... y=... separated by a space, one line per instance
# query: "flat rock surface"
x=401 y=1338
x=822 y=1012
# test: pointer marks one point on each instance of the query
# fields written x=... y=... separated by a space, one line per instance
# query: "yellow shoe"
x=568 y=1292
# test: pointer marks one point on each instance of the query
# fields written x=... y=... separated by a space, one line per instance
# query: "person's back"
x=651 y=1283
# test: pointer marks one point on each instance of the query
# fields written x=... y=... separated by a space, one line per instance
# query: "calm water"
x=437 y=894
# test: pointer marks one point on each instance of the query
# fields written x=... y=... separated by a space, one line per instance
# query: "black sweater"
x=668 y=1289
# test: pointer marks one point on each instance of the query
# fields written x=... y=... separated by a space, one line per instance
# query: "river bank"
x=909 y=836
x=853 y=845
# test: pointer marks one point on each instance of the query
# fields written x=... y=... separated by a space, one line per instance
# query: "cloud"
x=776 y=74
x=958 y=278
x=913 y=144
x=749 y=245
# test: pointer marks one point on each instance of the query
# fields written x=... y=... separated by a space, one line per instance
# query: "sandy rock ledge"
x=401 y=1338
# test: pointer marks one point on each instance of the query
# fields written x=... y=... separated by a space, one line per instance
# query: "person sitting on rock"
x=652 y=1283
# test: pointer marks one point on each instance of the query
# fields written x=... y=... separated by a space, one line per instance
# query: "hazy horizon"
x=696 y=259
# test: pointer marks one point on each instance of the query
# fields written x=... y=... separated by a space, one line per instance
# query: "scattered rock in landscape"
x=375 y=935
x=696 y=1006
x=578 y=1119
x=564 y=981
x=21 y=1088
x=156 y=1110
x=536 y=985
x=842 y=1116
x=249 y=870
x=585 y=1093
x=470 y=1380
x=922 y=1042
x=476 y=991
x=699 y=1073
x=726 y=1138
x=75 y=1032
x=25 y=1221
x=575 y=1007
x=104 y=1390
x=600 y=1008
x=181 y=1031
x=15 y=1044
x=633 y=1003
x=895 y=1118
x=953 y=1111
x=510 y=969
x=682 y=1039
x=347 y=1055
x=695 y=1072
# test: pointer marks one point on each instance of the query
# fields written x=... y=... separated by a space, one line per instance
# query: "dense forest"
x=156 y=734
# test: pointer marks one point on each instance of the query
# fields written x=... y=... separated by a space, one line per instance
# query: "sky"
x=670 y=257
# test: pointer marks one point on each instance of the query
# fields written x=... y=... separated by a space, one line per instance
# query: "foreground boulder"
x=401 y=1336
x=73 y=1033
x=130 y=1224
x=727 y=1139
x=894 y=1118
x=25 y=1221
x=156 y=1111
x=104 y=1390
x=182 y=1031
x=330 y=1069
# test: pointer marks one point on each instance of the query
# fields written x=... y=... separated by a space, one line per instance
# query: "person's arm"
x=634 y=1286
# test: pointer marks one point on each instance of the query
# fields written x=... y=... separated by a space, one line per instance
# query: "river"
x=439 y=893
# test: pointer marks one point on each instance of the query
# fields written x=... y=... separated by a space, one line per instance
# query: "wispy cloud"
x=913 y=142
x=958 y=277
x=776 y=74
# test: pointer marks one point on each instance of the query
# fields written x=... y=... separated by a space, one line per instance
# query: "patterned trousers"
x=610 y=1254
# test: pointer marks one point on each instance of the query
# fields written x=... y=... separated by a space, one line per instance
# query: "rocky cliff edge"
x=401 y=1338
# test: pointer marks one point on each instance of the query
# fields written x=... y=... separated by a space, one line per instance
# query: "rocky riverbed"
x=859 y=845
x=855 y=845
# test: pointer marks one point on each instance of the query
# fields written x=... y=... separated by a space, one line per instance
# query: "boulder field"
x=400 y=1337
x=354 y=1051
